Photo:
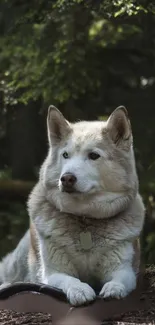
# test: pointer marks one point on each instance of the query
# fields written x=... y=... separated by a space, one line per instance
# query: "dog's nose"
x=68 y=180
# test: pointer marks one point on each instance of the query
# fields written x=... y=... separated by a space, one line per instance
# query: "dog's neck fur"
x=101 y=206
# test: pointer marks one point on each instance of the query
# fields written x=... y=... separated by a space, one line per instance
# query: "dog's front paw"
x=4 y=285
x=80 y=294
x=113 y=289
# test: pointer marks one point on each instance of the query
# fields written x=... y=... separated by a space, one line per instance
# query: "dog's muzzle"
x=68 y=181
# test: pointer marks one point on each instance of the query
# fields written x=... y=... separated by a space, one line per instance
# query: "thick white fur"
x=106 y=202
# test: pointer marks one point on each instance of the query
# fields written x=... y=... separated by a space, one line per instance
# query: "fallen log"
x=34 y=304
x=14 y=189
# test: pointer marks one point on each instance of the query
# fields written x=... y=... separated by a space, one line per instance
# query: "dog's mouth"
x=73 y=190
x=70 y=190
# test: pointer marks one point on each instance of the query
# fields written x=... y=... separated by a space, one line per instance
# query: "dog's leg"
x=77 y=292
x=123 y=281
x=4 y=285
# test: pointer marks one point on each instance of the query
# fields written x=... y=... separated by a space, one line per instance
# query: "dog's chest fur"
x=62 y=248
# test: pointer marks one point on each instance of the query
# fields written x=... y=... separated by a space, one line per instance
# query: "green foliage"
x=5 y=174
x=93 y=54
x=150 y=248
x=13 y=223
x=50 y=49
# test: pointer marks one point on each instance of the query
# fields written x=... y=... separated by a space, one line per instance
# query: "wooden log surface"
x=14 y=189
x=32 y=308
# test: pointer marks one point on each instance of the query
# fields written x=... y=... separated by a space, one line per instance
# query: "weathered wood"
x=31 y=308
x=11 y=189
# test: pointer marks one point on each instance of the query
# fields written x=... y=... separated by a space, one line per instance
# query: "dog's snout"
x=68 y=180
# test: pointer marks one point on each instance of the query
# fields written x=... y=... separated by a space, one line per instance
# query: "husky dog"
x=85 y=212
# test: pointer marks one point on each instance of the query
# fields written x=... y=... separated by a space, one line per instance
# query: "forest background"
x=86 y=58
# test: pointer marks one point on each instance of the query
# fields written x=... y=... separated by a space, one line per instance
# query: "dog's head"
x=90 y=158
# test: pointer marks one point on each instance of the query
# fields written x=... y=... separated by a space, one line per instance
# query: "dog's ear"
x=119 y=127
x=58 y=127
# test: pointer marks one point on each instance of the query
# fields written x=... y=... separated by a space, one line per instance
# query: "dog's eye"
x=65 y=155
x=93 y=156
